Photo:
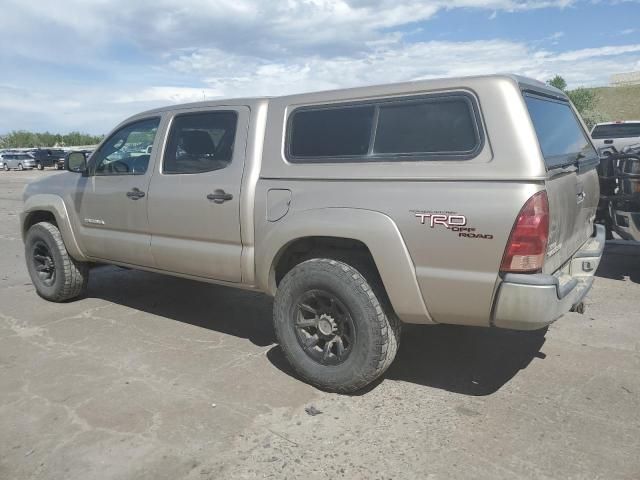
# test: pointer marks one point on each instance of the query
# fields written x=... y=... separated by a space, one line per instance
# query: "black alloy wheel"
x=43 y=263
x=324 y=327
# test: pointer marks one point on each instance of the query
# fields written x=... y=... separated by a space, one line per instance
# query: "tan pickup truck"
x=466 y=201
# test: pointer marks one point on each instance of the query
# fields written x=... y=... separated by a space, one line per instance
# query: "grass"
x=619 y=103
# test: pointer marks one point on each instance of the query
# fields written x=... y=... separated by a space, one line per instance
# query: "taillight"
x=527 y=245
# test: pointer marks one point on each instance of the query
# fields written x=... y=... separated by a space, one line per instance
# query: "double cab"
x=467 y=201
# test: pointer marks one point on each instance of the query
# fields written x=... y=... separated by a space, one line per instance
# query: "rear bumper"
x=531 y=302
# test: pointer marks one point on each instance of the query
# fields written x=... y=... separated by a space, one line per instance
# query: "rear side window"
x=561 y=136
x=332 y=132
x=616 y=130
x=200 y=142
x=438 y=127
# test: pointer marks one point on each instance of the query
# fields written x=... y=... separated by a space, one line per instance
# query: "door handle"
x=219 y=196
x=581 y=196
x=135 y=194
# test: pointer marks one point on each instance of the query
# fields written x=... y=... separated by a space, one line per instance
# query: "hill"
x=618 y=103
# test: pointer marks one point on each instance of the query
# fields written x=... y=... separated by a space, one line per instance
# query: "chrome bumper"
x=531 y=302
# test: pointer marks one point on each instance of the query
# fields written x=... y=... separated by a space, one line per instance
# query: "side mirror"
x=76 y=162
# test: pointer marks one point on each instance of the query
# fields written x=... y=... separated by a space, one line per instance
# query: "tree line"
x=26 y=139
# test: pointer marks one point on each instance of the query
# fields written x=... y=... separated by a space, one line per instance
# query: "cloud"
x=400 y=62
x=276 y=27
x=107 y=59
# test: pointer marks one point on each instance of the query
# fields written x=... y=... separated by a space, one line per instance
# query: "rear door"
x=194 y=198
x=572 y=181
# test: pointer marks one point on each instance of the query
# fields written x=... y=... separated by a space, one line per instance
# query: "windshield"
x=616 y=130
x=562 y=138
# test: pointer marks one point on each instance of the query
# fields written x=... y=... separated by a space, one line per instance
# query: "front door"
x=194 y=196
x=112 y=202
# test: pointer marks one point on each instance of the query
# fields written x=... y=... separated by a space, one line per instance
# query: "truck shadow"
x=470 y=361
x=620 y=261
x=226 y=310
x=466 y=360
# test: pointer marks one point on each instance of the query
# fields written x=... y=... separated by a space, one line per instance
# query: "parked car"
x=616 y=134
x=46 y=157
x=18 y=161
x=467 y=201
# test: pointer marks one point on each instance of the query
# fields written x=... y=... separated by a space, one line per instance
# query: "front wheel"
x=39 y=166
x=55 y=274
x=20 y=167
x=332 y=327
x=6 y=167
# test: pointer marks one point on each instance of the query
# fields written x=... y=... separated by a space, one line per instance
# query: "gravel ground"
x=163 y=378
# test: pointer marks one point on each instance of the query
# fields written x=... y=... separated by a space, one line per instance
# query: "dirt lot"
x=162 y=378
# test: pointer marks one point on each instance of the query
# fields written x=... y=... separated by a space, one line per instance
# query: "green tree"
x=26 y=139
x=583 y=99
x=558 y=82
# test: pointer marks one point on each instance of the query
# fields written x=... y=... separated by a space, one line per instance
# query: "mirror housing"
x=76 y=162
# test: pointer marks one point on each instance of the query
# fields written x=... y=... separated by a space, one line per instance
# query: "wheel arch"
x=373 y=233
x=50 y=208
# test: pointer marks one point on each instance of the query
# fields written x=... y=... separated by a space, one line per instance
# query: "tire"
x=20 y=167
x=372 y=335
x=6 y=167
x=39 y=166
x=45 y=253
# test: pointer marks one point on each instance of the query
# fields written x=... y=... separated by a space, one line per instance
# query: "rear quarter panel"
x=456 y=275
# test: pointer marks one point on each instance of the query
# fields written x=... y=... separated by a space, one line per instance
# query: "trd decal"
x=452 y=221
x=447 y=221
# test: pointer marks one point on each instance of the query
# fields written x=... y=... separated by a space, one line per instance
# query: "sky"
x=88 y=64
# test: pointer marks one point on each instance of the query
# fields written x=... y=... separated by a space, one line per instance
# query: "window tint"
x=437 y=126
x=617 y=130
x=428 y=126
x=200 y=142
x=331 y=132
x=561 y=137
x=124 y=153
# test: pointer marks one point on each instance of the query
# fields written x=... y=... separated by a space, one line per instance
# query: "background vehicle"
x=466 y=201
x=619 y=208
x=18 y=161
x=616 y=134
x=47 y=157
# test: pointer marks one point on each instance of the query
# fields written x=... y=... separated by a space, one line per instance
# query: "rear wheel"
x=39 y=166
x=6 y=167
x=20 y=167
x=332 y=327
x=55 y=274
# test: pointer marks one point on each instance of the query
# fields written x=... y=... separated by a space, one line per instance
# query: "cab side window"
x=125 y=152
x=200 y=142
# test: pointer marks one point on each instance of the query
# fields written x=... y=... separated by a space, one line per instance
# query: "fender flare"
x=376 y=230
x=56 y=206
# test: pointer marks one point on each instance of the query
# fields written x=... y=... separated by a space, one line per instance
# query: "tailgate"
x=572 y=182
